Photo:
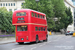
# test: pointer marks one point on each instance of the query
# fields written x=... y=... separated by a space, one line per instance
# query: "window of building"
x=74 y=24
x=32 y=14
x=0 y=4
x=21 y=14
x=74 y=20
x=11 y=4
x=74 y=16
x=35 y=15
x=10 y=9
x=41 y=16
x=14 y=4
x=36 y=28
x=3 y=4
x=22 y=3
x=6 y=4
x=38 y=16
x=22 y=28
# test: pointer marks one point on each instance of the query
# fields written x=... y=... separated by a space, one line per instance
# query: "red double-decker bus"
x=29 y=25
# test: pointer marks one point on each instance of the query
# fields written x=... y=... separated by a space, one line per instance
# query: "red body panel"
x=31 y=22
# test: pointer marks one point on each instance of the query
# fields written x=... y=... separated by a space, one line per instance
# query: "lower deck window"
x=22 y=28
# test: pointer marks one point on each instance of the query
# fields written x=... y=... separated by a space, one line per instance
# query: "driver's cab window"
x=22 y=28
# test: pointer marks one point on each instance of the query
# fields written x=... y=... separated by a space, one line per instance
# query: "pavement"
x=7 y=40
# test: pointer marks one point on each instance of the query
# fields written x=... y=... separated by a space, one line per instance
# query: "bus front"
x=20 y=20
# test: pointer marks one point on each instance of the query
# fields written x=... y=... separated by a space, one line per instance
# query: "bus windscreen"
x=21 y=14
x=22 y=28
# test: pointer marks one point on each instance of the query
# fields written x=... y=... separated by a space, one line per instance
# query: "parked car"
x=69 y=33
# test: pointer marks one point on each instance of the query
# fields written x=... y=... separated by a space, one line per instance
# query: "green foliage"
x=6 y=19
x=51 y=24
x=44 y=6
x=69 y=17
x=52 y=8
x=59 y=9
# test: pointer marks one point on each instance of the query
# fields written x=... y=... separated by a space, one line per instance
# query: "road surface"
x=55 y=42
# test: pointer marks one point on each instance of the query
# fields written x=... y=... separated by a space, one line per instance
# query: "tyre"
x=37 y=39
x=46 y=38
x=66 y=34
x=20 y=42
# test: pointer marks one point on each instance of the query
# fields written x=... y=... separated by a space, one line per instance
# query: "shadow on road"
x=30 y=43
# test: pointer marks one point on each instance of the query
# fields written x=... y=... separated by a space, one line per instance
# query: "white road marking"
x=33 y=48
x=33 y=45
x=17 y=48
x=49 y=42
x=42 y=45
x=55 y=40
x=58 y=38
x=65 y=47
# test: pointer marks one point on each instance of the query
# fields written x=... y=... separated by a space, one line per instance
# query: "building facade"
x=69 y=3
x=11 y=5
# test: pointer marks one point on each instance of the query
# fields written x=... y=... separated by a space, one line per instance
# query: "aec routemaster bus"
x=29 y=25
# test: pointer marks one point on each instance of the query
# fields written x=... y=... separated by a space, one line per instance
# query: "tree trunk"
x=0 y=31
x=65 y=30
x=10 y=32
x=5 y=32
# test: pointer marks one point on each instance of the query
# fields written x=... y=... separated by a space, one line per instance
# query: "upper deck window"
x=41 y=16
x=21 y=14
x=35 y=15
x=36 y=28
x=38 y=16
x=32 y=14
x=39 y=28
x=44 y=29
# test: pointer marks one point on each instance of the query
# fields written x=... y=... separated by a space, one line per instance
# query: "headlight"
x=22 y=38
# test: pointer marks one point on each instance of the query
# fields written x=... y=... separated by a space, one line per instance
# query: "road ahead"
x=55 y=42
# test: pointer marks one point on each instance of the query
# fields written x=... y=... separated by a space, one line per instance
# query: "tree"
x=69 y=18
x=5 y=19
x=59 y=9
x=11 y=27
x=52 y=8
x=44 y=6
